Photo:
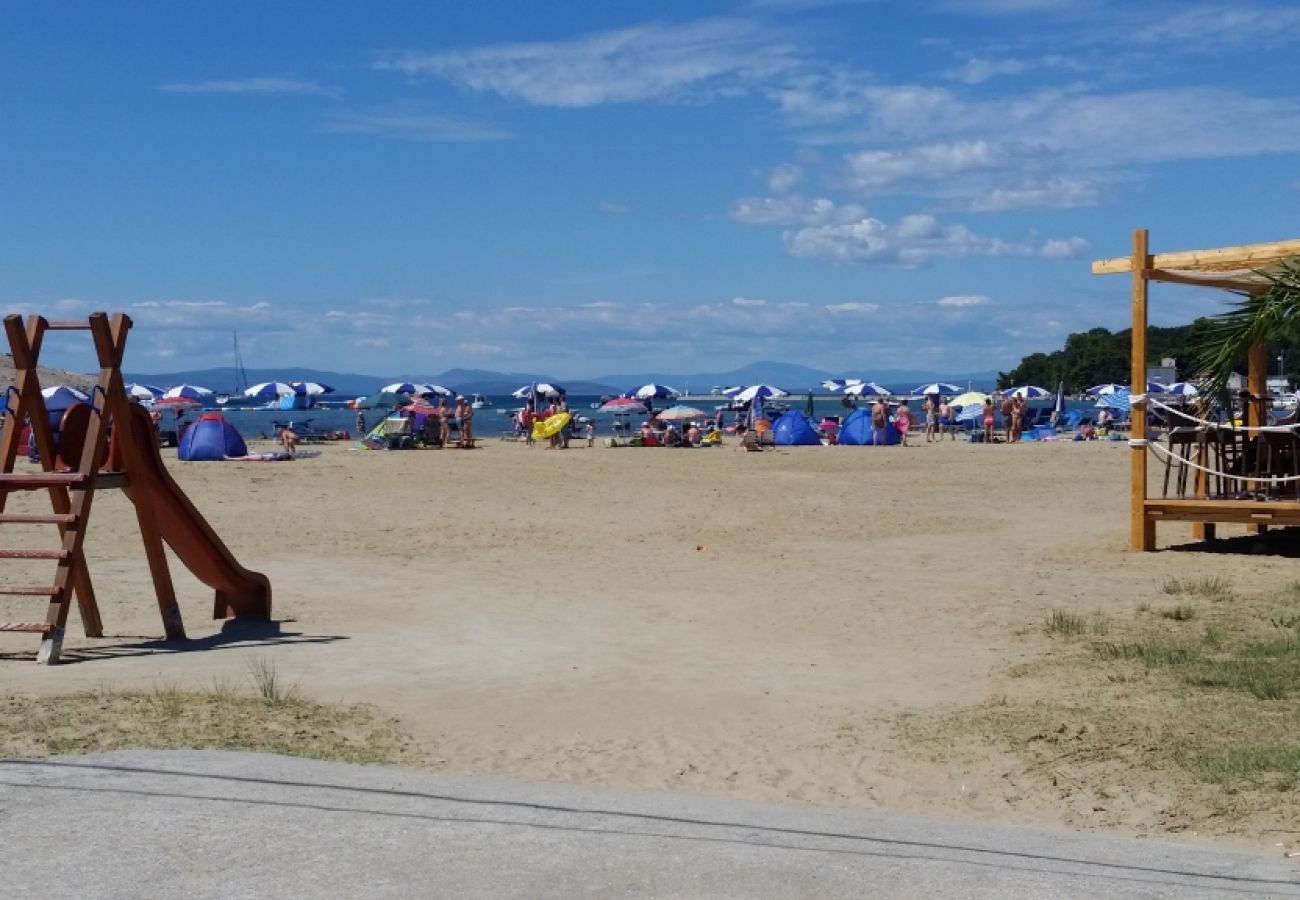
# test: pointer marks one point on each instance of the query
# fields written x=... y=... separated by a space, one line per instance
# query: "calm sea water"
x=494 y=421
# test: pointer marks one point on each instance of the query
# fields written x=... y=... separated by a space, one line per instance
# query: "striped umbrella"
x=866 y=389
x=187 y=392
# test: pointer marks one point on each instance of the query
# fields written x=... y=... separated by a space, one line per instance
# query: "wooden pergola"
x=1227 y=268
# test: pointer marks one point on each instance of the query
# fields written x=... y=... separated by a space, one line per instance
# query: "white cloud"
x=1061 y=193
x=480 y=349
x=1069 y=248
x=852 y=309
x=1199 y=27
x=978 y=71
x=874 y=170
x=250 y=86
x=963 y=301
x=747 y=302
x=664 y=62
x=414 y=122
x=784 y=178
x=610 y=208
x=792 y=210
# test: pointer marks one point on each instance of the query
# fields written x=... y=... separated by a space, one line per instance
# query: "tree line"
x=1100 y=356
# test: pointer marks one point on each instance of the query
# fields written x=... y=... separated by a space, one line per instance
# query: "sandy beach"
x=752 y=625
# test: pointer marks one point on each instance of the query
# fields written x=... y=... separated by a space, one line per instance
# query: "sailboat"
x=241 y=378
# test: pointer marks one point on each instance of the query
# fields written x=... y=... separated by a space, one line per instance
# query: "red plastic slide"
x=240 y=593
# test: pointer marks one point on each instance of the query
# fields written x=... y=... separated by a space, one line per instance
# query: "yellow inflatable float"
x=550 y=426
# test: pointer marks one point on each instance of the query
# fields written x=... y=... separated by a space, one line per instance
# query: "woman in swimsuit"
x=988 y=420
x=902 y=422
x=931 y=409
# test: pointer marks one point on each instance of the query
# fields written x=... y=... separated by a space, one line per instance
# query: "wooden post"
x=1142 y=532
x=1253 y=413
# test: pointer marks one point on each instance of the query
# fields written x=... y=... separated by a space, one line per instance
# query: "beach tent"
x=210 y=439
x=794 y=429
x=856 y=430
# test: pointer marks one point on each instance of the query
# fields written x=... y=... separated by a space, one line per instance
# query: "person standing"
x=361 y=424
x=879 y=420
x=1008 y=404
x=988 y=420
x=1018 y=404
x=465 y=413
x=930 y=407
x=945 y=419
x=903 y=421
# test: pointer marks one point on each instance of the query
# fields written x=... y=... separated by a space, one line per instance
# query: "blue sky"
x=408 y=187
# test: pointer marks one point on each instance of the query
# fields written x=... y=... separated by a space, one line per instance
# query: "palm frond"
x=1268 y=316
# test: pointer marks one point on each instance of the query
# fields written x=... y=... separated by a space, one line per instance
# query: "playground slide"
x=240 y=592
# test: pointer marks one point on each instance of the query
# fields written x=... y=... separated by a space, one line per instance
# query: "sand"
x=754 y=625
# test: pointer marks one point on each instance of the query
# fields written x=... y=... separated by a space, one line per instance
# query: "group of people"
x=1015 y=409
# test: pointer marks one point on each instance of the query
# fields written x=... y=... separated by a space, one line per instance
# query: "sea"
x=494 y=420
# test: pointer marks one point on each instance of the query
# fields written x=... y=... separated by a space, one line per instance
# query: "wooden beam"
x=1240 y=285
x=1142 y=531
x=1245 y=512
x=1244 y=257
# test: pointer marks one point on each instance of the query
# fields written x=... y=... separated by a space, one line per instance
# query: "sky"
x=586 y=189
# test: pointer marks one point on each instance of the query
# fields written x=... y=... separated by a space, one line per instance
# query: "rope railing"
x=1165 y=453
x=1143 y=399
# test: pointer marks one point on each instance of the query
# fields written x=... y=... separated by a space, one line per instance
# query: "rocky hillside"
x=49 y=377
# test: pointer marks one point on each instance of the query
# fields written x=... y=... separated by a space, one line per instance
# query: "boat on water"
x=241 y=378
x=480 y=402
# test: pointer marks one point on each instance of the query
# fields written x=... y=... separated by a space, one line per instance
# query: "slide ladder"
x=71 y=471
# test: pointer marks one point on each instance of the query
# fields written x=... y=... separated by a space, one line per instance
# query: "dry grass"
x=1196 y=710
x=222 y=718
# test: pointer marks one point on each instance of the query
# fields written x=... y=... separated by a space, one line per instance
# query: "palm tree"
x=1269 y=316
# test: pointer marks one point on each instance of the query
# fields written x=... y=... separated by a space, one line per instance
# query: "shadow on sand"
x=1283 y=542
x=234 y=634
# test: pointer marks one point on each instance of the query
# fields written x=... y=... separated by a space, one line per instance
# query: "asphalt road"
x=233 y=825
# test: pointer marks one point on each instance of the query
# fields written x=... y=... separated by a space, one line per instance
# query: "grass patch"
x=1062 y=623
x=1214 y=588
x=1180 y=613
x=270 y=686
x=171 y=718
x=1152 y=654
x=1271 y=765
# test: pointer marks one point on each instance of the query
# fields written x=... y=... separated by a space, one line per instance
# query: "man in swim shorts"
x=930 y=406
x=879 y=419
x=945 y=419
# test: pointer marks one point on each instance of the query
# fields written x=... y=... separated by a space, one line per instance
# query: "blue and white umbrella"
x=310 y=388
x=1058 y=408
x=839 y=384
x=540 y=389
x=937 y=387
x=268 y=390
x=1119 y=400
x=1183 y=389
x=143 y=391
x=186 y=392
x=1101 y=390
x=866 y=389
x=757 y=392
x=61 y=396
x=1028 y=392
x=654 y=392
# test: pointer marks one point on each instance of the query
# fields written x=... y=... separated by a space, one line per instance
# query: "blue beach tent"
x=210 y=439
x=856 y=430
x=794 y=429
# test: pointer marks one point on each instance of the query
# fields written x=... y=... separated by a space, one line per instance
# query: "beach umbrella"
x=1183 y=389
x=839 y=384
x=540 y=389
x=1101 y=390
x=187 y=392
x=310 y=388
x=970 y=411
x=143 y=391
x=969 y=399
x=1058 y=408
x=268 y=390
x=681 y=414
x=756 y=392
x=937 y=387
x=414 y=388
x=1155 y=387
x=61 y=396
x=1118 y=400
x=1028 y=392
x=654 y=392
x=866 y=389
x=177 y=402
x=623 y=405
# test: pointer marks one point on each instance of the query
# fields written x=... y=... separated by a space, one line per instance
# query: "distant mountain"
x=791 y=376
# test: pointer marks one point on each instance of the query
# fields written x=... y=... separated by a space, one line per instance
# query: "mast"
x=241 y=377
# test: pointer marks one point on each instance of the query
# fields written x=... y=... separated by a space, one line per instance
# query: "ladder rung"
x=28 y=590
x=33 y=554
x=20 y=481
x=67 y=326
x=30 y=627
x=38 y=518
